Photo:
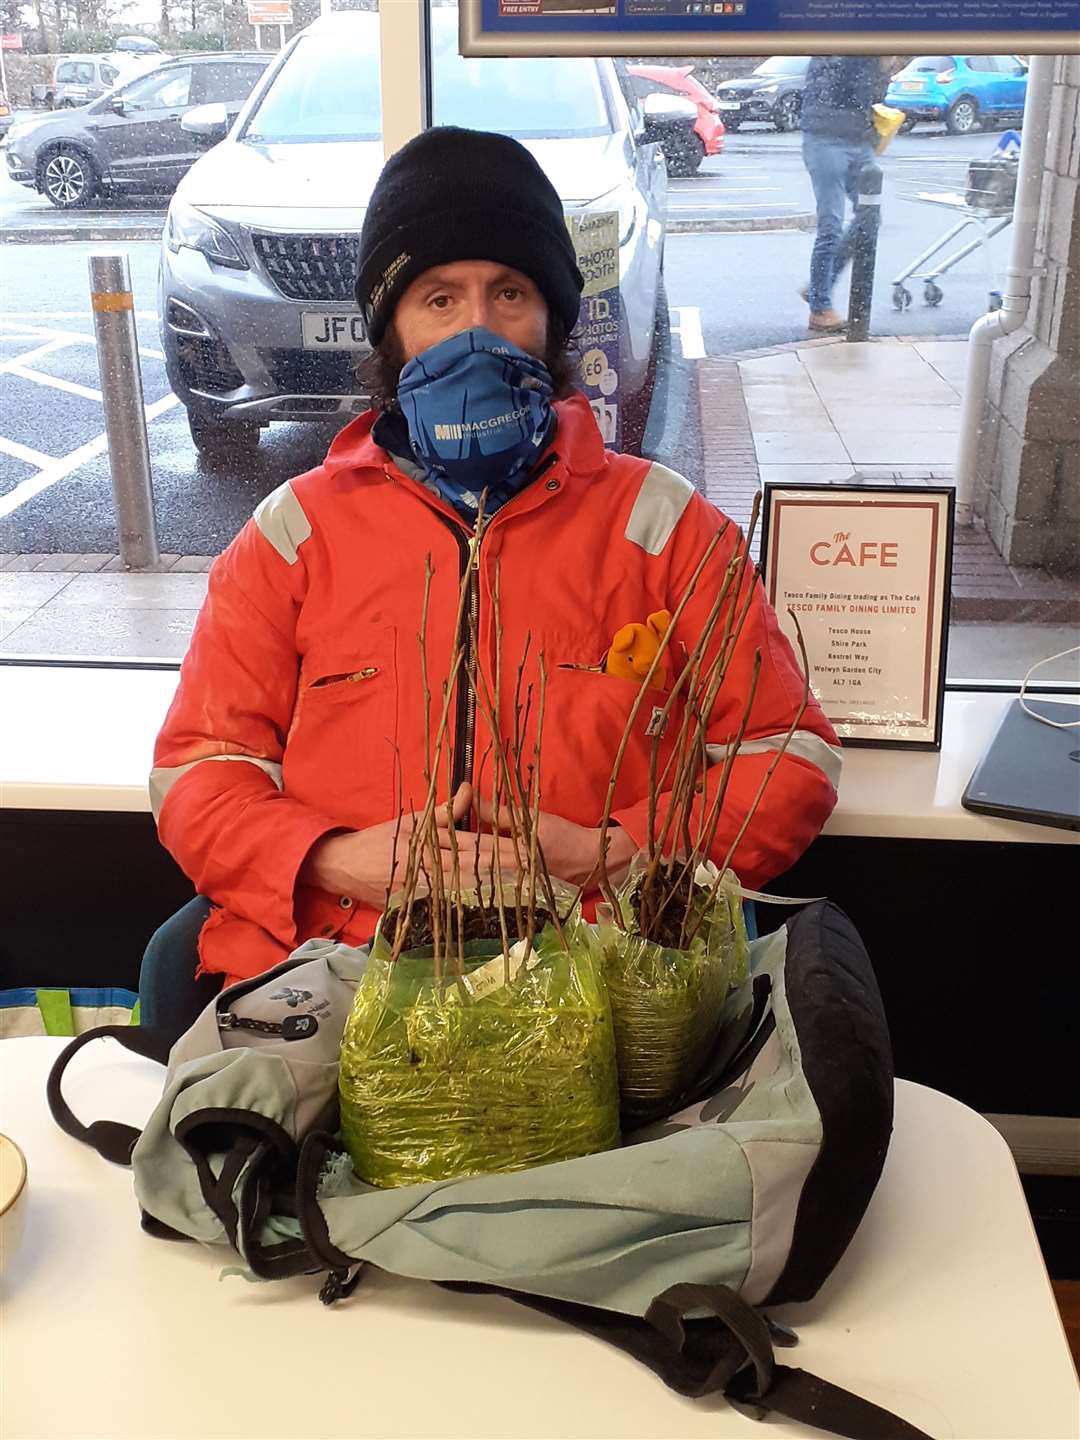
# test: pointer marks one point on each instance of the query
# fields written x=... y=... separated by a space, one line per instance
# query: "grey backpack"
x=745 y=1194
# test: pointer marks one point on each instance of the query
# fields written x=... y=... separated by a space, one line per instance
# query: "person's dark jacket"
x=840 y=91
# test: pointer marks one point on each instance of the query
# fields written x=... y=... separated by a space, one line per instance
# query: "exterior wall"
x=1029 y=458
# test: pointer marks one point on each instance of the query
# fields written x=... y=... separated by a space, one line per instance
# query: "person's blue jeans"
x=834 y=167
x=169 y=994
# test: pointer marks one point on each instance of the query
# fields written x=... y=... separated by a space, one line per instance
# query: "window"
x=224 y=83
x=928 y=65
x=784 y=65
x=75 y=73
x=158 y=91
x=727 y=290
x=326 y=90
x=982 y=64
x=528 y=99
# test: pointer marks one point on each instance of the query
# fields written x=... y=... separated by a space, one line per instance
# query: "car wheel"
x=66 y=105
x=786 y=114
x=219 y=440
x=684 y=157
x=908 y=124
x=68 y=178
x=962 y=117
x=731 y=126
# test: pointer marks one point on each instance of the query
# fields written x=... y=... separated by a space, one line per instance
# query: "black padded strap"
x=799 y=1395
x=112 y=1140
x=668 y=1311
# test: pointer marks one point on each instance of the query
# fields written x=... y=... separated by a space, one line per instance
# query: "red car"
x=708 y=136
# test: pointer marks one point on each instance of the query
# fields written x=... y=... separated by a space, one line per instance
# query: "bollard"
x=125 y=416
x=867 y=223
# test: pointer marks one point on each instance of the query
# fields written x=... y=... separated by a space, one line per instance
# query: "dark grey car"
x=773 y=92
x=131 y=139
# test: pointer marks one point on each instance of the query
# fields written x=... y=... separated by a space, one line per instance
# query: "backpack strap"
x=730 y=1351
x=111 y=1139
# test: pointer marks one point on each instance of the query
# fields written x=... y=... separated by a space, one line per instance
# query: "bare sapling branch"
x=497 y=880
x=454 y=901
x=422 y=639
x=401 y=927
x=534 y=823
x=778 y=756
x=708 y=830
x=661 y=650
x=729 y=641
x=397 y=830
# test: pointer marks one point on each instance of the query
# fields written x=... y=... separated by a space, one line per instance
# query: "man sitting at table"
x=299 y=718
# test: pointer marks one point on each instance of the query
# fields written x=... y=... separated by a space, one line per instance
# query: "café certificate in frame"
x=866 y=568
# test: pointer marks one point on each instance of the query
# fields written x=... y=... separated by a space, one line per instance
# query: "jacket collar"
x=578 y=451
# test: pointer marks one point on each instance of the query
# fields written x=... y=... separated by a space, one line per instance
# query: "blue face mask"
x=479 y=415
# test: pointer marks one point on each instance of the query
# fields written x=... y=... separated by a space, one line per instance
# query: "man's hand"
x=359 y=863
x=572 y=851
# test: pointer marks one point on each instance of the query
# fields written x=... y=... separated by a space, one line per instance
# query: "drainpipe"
x=1016 y=297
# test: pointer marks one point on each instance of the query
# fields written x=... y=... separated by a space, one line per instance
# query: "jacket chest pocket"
x=589 y=712
x=344 y=732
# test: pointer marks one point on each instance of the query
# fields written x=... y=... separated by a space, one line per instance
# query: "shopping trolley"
x=983 y=193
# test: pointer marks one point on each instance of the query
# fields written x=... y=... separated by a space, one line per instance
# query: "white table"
x=940 y=1310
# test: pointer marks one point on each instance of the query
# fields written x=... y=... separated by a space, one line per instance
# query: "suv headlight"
x=766 y=89
x=624 y=201
x=189 y=229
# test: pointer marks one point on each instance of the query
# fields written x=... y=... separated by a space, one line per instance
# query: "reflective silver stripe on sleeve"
x=804 y=743
x=659 y=507
x=282 y=521
x=162 y=778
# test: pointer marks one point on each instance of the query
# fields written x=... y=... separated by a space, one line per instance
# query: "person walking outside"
x=838 y=139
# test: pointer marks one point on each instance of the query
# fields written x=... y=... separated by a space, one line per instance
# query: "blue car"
x=965 y=91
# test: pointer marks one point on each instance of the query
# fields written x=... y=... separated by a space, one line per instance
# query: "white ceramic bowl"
x=12 y=1199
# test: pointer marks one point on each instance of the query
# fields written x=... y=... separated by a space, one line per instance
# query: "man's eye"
x=511 y=292
x=439 y=301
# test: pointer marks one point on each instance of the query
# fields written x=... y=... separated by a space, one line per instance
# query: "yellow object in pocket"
x=887 y=122
x=634 y=648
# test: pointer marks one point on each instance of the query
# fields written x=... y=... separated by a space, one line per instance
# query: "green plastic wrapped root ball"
x=666 y=1001
x=462 y=1076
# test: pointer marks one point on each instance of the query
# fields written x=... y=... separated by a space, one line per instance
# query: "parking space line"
x=30 y=355
x=686 y=323
x=23 y=452
x=56 y=470
x=39 y=377
x=743 y=205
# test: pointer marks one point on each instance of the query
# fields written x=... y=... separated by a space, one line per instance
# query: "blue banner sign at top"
x=711 y=27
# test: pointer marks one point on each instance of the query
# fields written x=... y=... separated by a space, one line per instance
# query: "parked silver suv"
x=259 y=251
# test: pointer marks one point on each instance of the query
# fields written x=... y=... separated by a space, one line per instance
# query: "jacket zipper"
x=465 y=727
x=368 y=672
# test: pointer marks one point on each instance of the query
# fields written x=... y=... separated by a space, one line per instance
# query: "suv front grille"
x=313 y=372
x=310 y=267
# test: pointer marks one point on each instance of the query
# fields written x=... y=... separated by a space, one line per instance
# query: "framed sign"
x=767 y=27
x=866 y=568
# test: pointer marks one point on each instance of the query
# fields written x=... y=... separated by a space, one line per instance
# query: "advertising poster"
x=866 y=571
x=596 y=239
x=762 y=27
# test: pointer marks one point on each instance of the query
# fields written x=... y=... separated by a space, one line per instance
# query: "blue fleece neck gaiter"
x=479 y=416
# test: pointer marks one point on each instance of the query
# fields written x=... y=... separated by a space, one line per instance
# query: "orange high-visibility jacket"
x=301 y=693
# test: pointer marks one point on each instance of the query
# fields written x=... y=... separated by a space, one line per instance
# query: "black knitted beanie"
x=453 y=194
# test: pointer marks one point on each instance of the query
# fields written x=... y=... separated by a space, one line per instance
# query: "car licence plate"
x=343 y=330
x=912 y=84
x=728 y=104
